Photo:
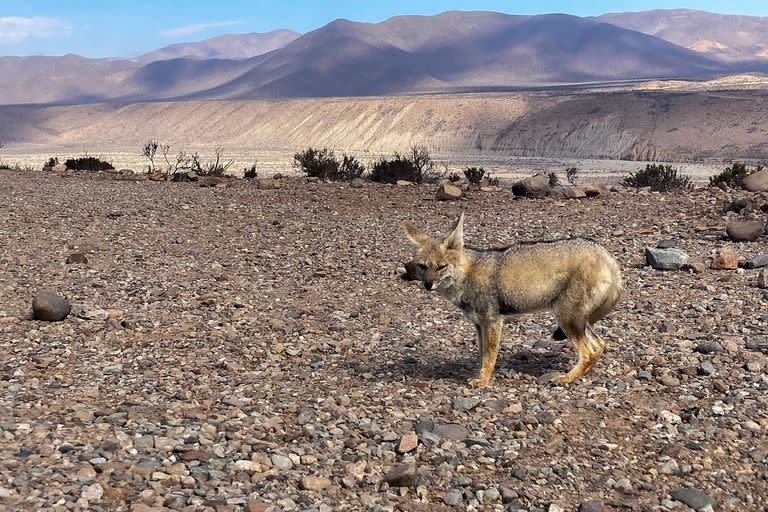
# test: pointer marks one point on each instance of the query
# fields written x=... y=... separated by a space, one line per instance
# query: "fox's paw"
x=555 y=378
x=478 y=383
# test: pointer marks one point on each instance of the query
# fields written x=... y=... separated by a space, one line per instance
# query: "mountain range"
x=450 y=52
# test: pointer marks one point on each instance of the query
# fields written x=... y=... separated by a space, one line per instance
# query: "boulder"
x=593 y=189
x=269 y=184
x=449 y=193
x=537 y=187
x=744 y=230
x=574 y=192
x=59 y=168
x=667 y=259
x=214 y=181
x=157 y=176
x=50 y=307
x=357 y=183
x=757 y=182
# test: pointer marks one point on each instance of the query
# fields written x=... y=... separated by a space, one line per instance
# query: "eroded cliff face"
x=670 y=126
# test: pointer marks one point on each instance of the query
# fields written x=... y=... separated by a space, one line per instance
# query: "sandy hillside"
x=676 y=126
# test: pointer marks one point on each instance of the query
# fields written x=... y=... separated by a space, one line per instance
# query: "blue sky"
x=108 y=28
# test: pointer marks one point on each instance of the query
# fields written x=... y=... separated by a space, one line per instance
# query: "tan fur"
x=577 y=279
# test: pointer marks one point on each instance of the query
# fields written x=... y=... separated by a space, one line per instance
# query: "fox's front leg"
x=479 y=334
x=490 y=336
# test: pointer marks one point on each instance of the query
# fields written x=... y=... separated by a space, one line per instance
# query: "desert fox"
x=576 y=278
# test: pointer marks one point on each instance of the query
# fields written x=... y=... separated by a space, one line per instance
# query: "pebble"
x=709 y=347
x=402 y=475
x=453 y=497
x=281 y=462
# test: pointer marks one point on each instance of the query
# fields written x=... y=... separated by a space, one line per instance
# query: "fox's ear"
x=455 y=239
x=416 y=237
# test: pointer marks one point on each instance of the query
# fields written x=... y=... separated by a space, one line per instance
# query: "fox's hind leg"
x=588 y=345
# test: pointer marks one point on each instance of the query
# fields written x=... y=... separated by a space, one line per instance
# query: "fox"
x=576 y=278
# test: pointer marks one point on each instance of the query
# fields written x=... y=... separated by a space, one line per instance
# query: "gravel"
x=242 y=349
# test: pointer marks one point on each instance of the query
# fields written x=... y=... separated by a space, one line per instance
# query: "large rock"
x=758 y=261
x=757 y=182
x=537 y=187
x=269 y=183
x=744 y=230
x=667 y=259
x=449 y=192
x=59 y=168
x=695 y=499
x=592 y=189
x=50 y=307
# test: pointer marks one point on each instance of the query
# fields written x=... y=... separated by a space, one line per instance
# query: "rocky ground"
x=244 y=349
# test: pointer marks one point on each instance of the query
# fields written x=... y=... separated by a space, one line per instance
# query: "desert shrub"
x=553 y=179
x=572 y=175
x=454 y=177
x=476 y=175
x=215 y=167
x=318 y=163
x=249 y=172
x=659 y=177
x=732 y=176
x=51 y=162
x=417 y=166
x=88 y=163
x=349 y=169
x=322 y=163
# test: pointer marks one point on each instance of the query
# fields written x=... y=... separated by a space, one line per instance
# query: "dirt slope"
x=665 y=125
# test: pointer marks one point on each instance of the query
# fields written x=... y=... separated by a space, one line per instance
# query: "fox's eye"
x=422 y=266
x=441 y=267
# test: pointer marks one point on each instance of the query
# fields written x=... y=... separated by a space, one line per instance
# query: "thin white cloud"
x=14 y=29
x=195 y=28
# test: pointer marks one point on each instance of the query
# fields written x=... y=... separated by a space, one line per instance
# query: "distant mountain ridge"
x=227 y=46
x=448 y=52
x=728 y=37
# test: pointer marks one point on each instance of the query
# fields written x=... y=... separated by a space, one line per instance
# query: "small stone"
x=463 y=404
x=357 y=183
x=5 y=493
x=709 y=347
x=591 y=506
x=669 y=380
x=492 y=494
x=453 y=497
x=247 y=465
x=707 y=368
x=408 y=443
x=762 y=280
x=50 y=307
x=694 y=498
x=669 y=468
x=113 y=369
x=402 y=475
x=507 y=494
x=281 y=462
x=726 y=260
x=452 y=431
x=403 y=183
x=667 y=244
x=77 y=257
x=315 y=483
x=93 y=492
